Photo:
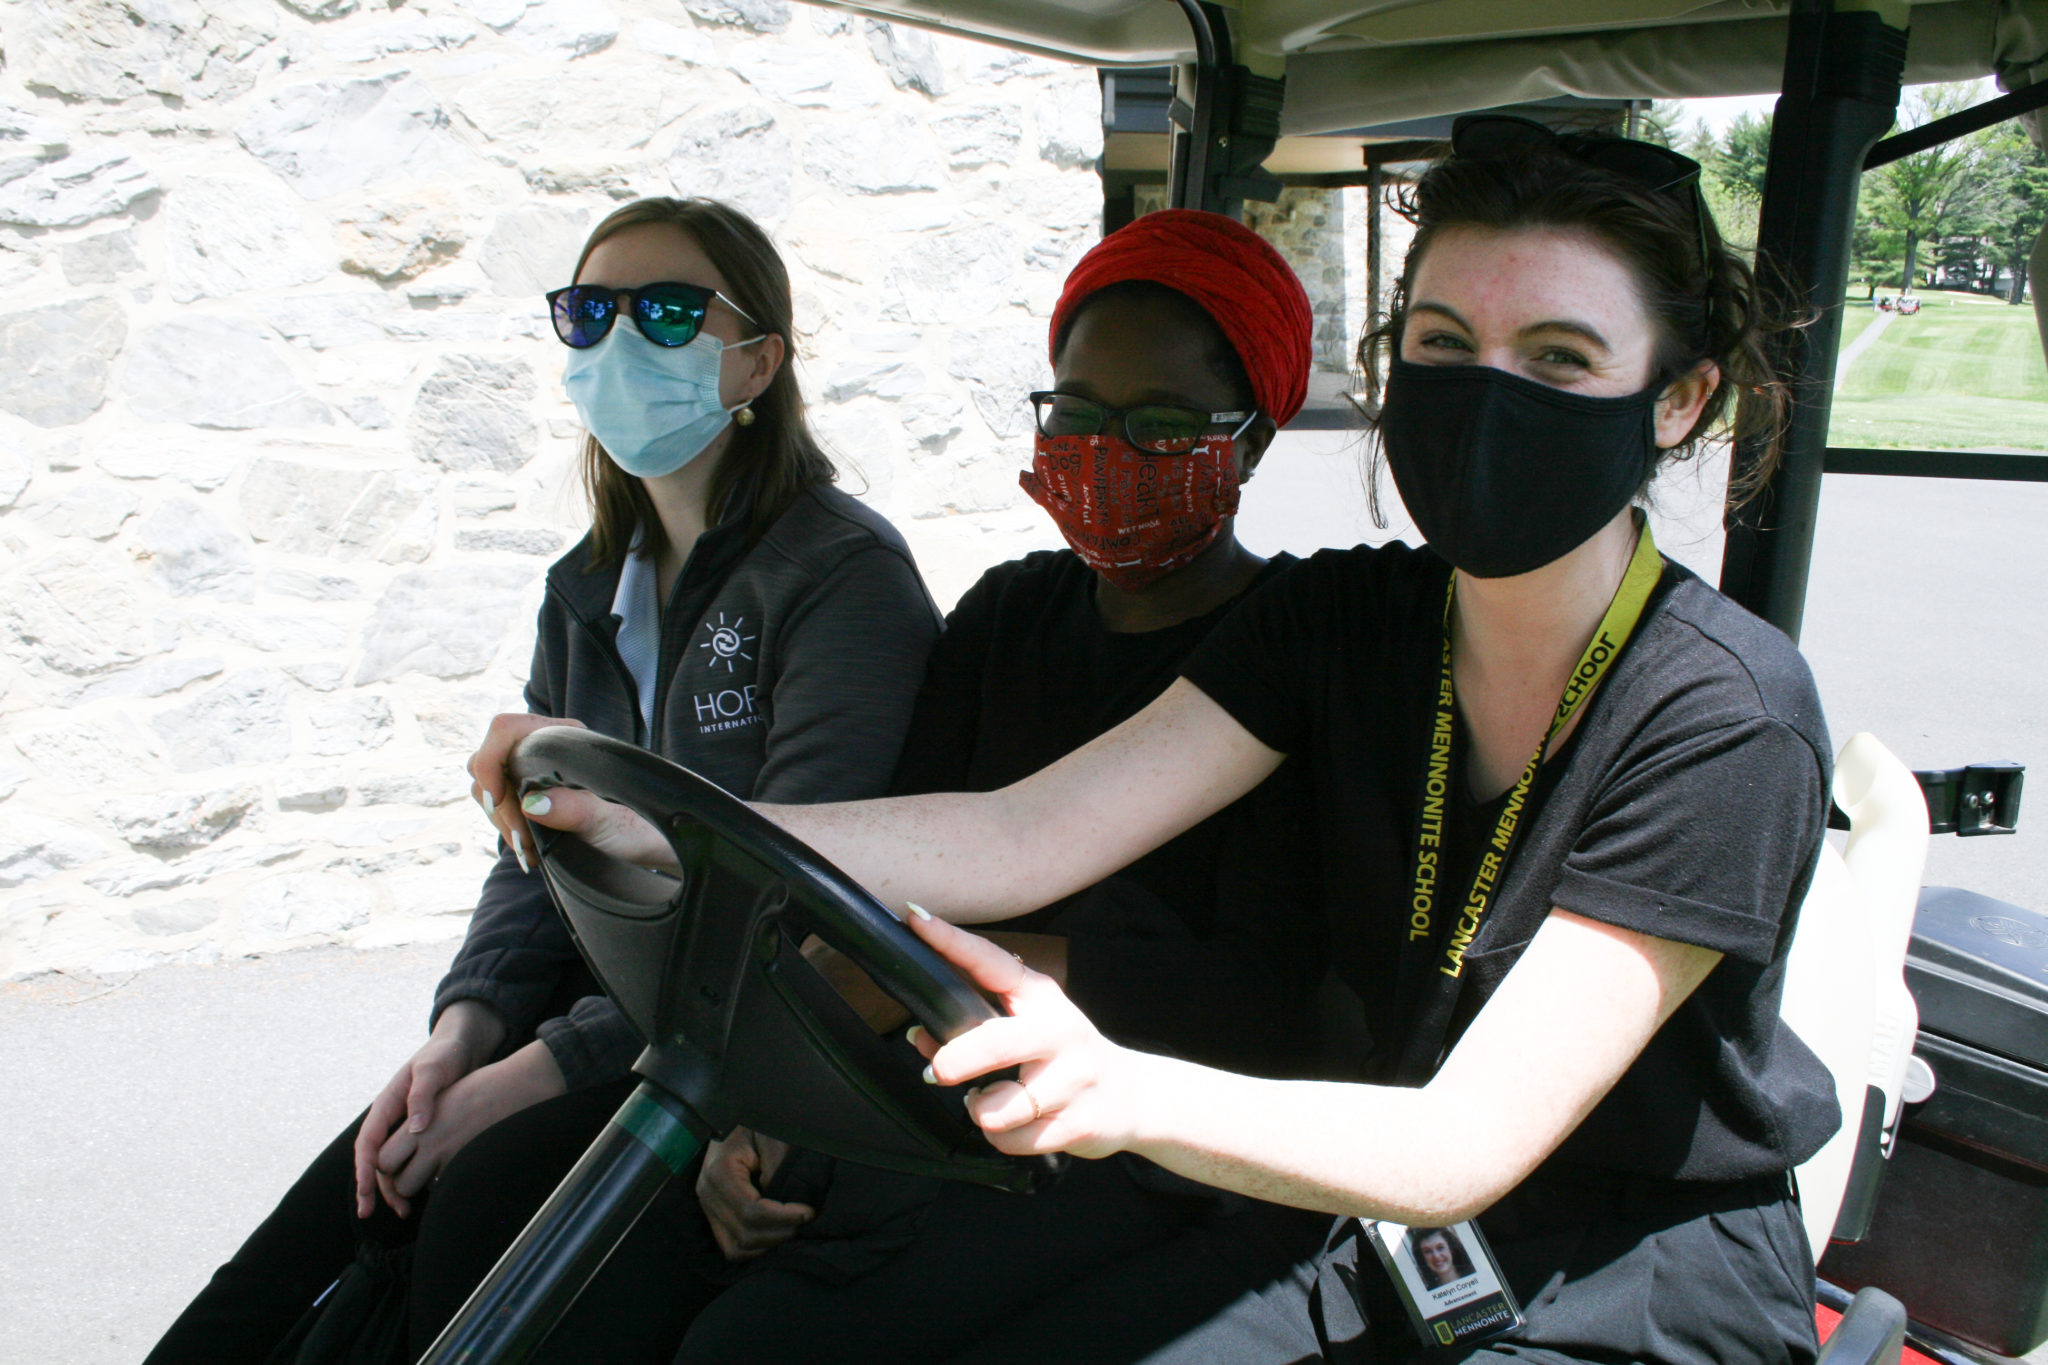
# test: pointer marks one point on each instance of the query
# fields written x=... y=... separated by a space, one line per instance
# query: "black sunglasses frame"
x=1121 y=418
x=606 y=305
x=1663 y=171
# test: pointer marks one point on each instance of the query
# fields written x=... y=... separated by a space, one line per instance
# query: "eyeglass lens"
x=666 y=314
x=1155 y=427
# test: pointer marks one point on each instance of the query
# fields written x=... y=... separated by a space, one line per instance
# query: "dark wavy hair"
x=1703 y=309
x=777 y=455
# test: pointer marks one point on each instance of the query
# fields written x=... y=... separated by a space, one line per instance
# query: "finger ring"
x=1036 y=1112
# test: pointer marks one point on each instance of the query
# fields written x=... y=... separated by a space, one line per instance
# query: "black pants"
x=638 y=1305
x=981 y=1257
x=1713 y=1277
x=894 y=1268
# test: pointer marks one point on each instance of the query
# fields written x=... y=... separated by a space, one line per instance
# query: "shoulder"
x=1354 y=585
x=1028 y=582
x=823 y=527
x=575 y=586
x=1709 y=664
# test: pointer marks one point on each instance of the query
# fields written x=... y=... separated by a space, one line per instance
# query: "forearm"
x=976 y=857
x=473 y=1025
x=1542 y=1053
x=968 y=857
x=1427 y=1156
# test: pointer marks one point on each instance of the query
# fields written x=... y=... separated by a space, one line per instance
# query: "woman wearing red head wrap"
x=1202 y=304
x=1178 y=347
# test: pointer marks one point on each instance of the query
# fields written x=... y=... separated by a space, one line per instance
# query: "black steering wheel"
x=706 y=967
x=740 y=1028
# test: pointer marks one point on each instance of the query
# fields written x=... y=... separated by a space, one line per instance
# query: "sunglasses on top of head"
x=667 y=314
x=1662 y=170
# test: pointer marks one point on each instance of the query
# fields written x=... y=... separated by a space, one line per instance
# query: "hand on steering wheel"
x=1075 y=1090
x=605 y=826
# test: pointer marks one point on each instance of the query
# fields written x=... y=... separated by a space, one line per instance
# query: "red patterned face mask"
x=1132 y=515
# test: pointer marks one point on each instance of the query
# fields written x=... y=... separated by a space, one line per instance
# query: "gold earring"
x=744 y=417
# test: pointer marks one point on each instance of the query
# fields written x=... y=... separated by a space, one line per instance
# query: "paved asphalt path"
x=151 y=1120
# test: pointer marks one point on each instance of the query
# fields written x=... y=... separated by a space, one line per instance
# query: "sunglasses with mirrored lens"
x=1661 y=169
x=667 y=314
x=1156 y=427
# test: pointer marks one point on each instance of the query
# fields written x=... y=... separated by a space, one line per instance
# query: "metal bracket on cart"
x=1983 y=798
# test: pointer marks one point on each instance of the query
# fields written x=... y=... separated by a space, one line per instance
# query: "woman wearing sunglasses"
x=1569 y=799
x=729 y=609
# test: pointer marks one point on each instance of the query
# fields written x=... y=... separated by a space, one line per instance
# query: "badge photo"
x=1447 y=1280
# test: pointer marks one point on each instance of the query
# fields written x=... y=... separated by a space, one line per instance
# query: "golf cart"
x=1931 y=1007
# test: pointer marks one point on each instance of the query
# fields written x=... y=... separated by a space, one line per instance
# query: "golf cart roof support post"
x=1840 y=95
x=1195 y=138
x=1227 y=119
x=1375 y=242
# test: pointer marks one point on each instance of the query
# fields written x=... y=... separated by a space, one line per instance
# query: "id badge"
x=1448 y=1281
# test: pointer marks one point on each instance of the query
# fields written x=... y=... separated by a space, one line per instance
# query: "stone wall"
x=283 y=453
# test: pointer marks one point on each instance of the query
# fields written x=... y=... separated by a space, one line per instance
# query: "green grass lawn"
x=1965 y=372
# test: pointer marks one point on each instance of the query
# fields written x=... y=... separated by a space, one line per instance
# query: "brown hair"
x=1710 y=309
x=777 y=454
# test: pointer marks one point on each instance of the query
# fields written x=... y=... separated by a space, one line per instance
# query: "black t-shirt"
x=1211 y=944
x=1689 y=804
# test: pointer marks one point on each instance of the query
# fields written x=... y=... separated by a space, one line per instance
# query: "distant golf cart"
x=1931 y=1006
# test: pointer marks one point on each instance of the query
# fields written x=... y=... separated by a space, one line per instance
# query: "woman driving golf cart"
x=1569 y=799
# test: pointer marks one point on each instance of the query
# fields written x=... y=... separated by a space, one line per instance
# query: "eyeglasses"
x=1157 y=427
x=667 y=314
x=1661 y=169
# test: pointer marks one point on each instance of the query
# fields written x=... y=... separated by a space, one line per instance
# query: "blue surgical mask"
x=653 y=408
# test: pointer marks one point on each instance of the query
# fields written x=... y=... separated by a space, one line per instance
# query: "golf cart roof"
x=1353 y=65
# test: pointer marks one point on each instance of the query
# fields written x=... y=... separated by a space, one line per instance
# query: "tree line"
x=1964 y=215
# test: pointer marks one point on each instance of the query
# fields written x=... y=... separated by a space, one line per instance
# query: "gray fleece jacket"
x=836 y=624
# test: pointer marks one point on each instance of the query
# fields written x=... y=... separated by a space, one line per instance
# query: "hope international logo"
x=726 y=643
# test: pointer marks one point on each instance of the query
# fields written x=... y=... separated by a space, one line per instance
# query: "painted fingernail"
x=536 y=803
x=914 y=1034
x=519 y=852
x=929 y=1078
x=918 y=910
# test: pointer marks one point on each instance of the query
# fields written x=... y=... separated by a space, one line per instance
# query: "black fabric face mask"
x=1502 y=474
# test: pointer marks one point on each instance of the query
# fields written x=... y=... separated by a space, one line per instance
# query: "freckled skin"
x=1482 y=297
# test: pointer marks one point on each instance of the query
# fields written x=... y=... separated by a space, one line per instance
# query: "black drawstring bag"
x=361 y=1319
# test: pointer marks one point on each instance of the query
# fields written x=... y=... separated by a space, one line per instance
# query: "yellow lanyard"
x=1645 y=567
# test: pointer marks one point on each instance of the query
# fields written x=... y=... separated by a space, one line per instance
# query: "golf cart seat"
x=1846 y=998
x=1845 y=985
x=740 y=1028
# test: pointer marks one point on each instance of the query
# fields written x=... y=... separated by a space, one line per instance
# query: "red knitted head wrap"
x=1232 y=273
